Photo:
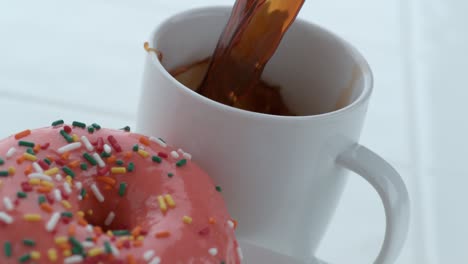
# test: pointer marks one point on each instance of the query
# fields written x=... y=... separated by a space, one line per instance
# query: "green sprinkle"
x=26 y=144
x=126 y=129
x=21 y=195
x=121 y=232
x=170 y=174
x=222 y=262
x=29 y=242
x=105 y=154
x=67 y=214
x=65 y=135
x=107 y=247
x=96 y=126
x=83 y=192
x=24 y=258
x=218 y=188
x=181 y=162
x=68 y=171
x=3 y=173
x=46 y=160
x=156 y=159
x=131 y=167
x=41 y=199
x=77 y=247
x=135 y=147
x=119 y=162
x=122 y=189
x=7 y=248
x=31 y=151
x=83 y=166
x=57 y=122
x=2 y=161
x=79 y=124
x=90 y=159
x=90 y=129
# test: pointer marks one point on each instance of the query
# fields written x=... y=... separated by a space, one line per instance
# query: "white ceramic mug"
x=281 y=176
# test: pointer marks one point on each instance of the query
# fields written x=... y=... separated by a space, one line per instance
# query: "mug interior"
x=317 y=71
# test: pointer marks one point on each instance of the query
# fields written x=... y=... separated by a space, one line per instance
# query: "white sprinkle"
x=213 y=251
x=100 y=162
x=73 y=259
x=78 y=185
x=239 y=252
x=159 y=141
x=50 y=226
x=97 y=192
x=6 y=218
x=107 y=149
x=8 y=204
x=80 y=197
x=87 y=144
x=40 y=176
x=174 y=154
x=67 y=188
x=115 y=251
x=156 y=260
x=10 y=152
x=181 y=151
x=187 y=156
x=37 y=168
x=110 y=217
x=89 y=228
x=141 y=147
x=58 y=177
x=87 y=244
x=148 y=255
x=69 y=147
x=57 y=195
x=230 y=223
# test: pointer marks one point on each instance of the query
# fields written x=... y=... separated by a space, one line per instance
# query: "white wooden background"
x=82 y=60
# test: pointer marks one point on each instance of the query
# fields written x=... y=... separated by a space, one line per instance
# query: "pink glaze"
x=191 y=188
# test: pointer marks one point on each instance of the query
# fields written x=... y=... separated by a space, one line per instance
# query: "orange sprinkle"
x=131 y=259
x=106 y=179
x=52 y=159
x=46 y=207
x=20 y=159
x=128 y=154
x=144 y=140
x=119 y=244
x=64 y=246
x=107 y=187
x=97 y=230
x=71 y=230
x=74 y=163
x=136 y=231
x=65 y=155
x=137 y=243
x=163 y=234
x=111 y=159
x=82 y=222
x=37 y=148
x=23 y=134
x=211 y=220
x=28 y=170
x=44 y=189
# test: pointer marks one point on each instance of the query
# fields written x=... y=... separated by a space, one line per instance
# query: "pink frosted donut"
x=82 y=194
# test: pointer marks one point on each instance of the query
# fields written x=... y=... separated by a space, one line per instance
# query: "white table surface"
x=82 y=60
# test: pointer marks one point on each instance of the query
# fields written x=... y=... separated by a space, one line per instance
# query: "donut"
x=84 y=194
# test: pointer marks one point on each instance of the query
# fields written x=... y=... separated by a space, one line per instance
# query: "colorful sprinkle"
x=57 y=123
x=148 y=255
x=10 y=152
x=130 y=167
x=73 y=259
x=163 y=234
x=159 y=141
x=8 y=204
x=26 y=144
x=32 y=217
x=69 y=147
x=50 y=226
x=187 y=219
x=52 y=254
x=66 y=136
x=143 y=153
x=109 y=219
x=24 y=258
x=79 y=124
x=213 y=251
x=170 y=201
x=23 y=134
x=99 y=160
x=29 y=242
x=29 y=157
x=96 y=126
x=181 y=162
x=4 y=173
x=40 y=176
x=21 y=194
x=68 y=171
x=118 y=170
x=97 y=193
x=162 y=204
x=156 y=159
x=6 y=218
x=218 y=188
x=7 y=249
x=121 y=232
x=122 y=189
x=114 y=143
x=107 y=149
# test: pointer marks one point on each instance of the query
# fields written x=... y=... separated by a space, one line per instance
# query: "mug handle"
x=391 y=189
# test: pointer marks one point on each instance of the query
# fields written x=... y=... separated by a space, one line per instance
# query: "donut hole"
x=110 y=215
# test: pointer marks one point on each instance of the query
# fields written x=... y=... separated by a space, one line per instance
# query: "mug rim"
x=354 y=53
